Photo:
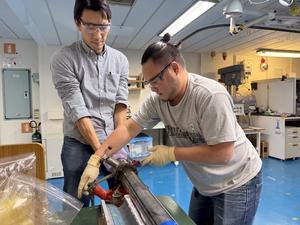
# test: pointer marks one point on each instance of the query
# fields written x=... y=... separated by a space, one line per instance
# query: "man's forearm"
x=119 y=138
x=87 y=130
x=120 y=115
x=216 y=154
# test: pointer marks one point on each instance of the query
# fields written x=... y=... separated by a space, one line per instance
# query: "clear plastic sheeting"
x=26 y=201
x=24 y=164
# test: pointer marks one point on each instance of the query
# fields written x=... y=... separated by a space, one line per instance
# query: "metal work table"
x=89 y=215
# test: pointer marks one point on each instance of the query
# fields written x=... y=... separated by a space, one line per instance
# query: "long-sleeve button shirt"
x=89 y=85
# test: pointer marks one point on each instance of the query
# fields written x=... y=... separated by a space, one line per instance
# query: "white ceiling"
x=51 y=22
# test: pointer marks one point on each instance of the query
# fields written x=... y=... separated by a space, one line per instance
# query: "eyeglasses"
x=154 y=80
x=92 y=28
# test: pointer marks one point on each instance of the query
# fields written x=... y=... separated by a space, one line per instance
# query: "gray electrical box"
x=17 y=93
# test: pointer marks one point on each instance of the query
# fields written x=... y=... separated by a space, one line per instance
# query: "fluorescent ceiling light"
x=278 y=53
x=190 y=15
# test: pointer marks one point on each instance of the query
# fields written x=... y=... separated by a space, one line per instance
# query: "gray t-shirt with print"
x=204 y=116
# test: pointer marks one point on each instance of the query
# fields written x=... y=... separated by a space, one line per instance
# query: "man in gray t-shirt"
x=198 y=115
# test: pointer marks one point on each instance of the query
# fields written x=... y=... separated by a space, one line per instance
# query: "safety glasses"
x=155 y=80
x=92 y=28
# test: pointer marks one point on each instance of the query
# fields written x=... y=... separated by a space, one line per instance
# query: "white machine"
x=278 y=95
x=53 y=145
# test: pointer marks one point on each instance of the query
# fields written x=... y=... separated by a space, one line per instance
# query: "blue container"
x=138 y=146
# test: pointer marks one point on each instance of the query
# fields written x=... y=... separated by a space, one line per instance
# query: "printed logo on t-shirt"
x=178 y=133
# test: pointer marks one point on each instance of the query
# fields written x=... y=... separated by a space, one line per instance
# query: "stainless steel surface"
x=133 y=211
x=106 y=217
x=126 y=214
x=146 y=205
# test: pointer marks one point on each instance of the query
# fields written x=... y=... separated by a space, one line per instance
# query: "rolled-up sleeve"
x=122 y=93
x=68 y=86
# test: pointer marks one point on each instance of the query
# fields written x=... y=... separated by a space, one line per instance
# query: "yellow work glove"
x=90 y=173
x=160 y=155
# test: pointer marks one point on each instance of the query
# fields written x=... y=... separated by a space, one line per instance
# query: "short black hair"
x=162 y=52
x=95 y=5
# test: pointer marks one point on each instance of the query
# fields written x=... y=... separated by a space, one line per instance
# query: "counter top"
x=248 y=129
x=281 y=117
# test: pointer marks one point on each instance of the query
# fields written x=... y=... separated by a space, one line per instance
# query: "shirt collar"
x=91 y=52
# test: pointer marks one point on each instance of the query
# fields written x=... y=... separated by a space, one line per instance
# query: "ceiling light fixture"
x=233 y=10
x=286 y=3
x=189 y=16
x=278 y=53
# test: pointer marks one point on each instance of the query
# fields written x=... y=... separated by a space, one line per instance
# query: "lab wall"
x=277 y=67
x=50 y=104
x=296 y=67
x=26 y=58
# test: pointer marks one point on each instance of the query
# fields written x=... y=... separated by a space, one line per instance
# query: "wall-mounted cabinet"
x=17 y=93
x=135 y=83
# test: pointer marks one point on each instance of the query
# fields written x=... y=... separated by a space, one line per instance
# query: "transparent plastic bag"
x=25 y=200
x=24 y=164
x=121 y=154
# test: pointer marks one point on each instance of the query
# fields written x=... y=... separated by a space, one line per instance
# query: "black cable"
x=239 y=25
